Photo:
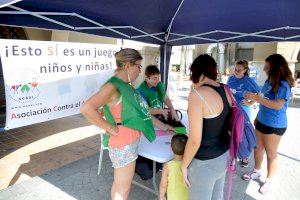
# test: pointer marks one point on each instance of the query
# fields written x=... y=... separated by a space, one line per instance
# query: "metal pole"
x=154 y=179
x=218 y=57
x=165 y=63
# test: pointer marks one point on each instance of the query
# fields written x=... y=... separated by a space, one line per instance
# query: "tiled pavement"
x=79 y=180
x=33 y=150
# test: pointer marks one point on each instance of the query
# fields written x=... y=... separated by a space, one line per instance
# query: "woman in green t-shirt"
x=126 y=116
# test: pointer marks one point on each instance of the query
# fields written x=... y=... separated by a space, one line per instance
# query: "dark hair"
x=178 y=143
x=127 y=55
x=245 y=65
x=151 y=70
x=203 y=64
x=279 y=70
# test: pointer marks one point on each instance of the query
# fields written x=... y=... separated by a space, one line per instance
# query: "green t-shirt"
x=154 y=96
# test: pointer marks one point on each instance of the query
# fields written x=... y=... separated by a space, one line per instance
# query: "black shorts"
x=268 y=129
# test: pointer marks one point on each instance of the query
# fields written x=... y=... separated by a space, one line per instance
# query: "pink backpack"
x=237 y=126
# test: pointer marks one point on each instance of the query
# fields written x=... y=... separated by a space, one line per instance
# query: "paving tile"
x=6 y=193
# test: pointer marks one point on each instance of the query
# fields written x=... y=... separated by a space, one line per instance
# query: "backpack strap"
x=230 y=94
x=205 y=102
x=231 y=162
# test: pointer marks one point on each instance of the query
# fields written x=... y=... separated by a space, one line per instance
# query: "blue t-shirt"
x=239 y=86
x=141 y=93
x=253 y=73
x=271 y=117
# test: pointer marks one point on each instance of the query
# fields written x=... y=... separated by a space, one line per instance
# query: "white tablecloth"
x=159 y=150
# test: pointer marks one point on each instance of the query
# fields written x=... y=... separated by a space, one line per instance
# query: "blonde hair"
x=127 y=55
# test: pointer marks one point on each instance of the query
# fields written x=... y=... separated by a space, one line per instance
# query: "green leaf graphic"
x=24 y=88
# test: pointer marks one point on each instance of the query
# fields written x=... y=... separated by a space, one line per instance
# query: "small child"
x=172 y=181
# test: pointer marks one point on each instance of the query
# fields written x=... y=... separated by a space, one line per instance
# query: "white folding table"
x=157 y=151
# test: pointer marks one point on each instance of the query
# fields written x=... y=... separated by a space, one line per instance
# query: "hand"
x=186 y=181
x=114 y=130
x=165 y=113
x=163 y=198
x=174 y=115
x=170 y=129
x=246 y=102
x=251 y=96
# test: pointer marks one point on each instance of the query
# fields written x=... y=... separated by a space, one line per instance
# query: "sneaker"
x=266 y=187
x=251 y=175
x=244 y=163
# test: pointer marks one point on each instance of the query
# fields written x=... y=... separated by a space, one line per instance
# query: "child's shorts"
x=120 y=157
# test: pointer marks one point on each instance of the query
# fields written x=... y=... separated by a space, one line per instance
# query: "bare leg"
x=271 y=143
x=122 y=181
x=259 y=150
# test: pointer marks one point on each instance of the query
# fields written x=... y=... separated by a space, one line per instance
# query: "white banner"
x=50 y=80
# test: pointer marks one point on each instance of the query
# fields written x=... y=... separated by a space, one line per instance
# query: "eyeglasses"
x=138 y=65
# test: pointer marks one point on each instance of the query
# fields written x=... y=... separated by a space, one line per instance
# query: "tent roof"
x=177 y=22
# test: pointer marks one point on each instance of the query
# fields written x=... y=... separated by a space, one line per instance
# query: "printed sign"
x=50 y=80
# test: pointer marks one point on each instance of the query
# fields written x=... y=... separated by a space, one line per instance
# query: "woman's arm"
x=90 y=108
x=161 y=111
x=163 y=182
x=162 y=126
x=276 y=104
x=252 y=87
x=195 y=115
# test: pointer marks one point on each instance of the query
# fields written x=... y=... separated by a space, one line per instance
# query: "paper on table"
x=160 y=132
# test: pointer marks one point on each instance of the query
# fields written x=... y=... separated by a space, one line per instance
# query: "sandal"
x=251 y=175
x=266 y=187
x=244 y=163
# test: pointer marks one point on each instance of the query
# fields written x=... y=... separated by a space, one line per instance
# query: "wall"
x=287 y=49
x=263 y=50
x=66 y=36
x=260 y=53
x=60 y=36
x=86 y=38
x=290 y=50
x=297 y=67
x=38 y=34
x=150 y=57
x=200 y=49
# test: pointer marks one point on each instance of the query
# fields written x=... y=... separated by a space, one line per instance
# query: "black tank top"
x=215 y=137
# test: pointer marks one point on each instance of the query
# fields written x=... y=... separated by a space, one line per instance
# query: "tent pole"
x=7 y=3
x=218 y=57
x=172 y=20
x=165 y=62
x=42 y=17
x=153 y=34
